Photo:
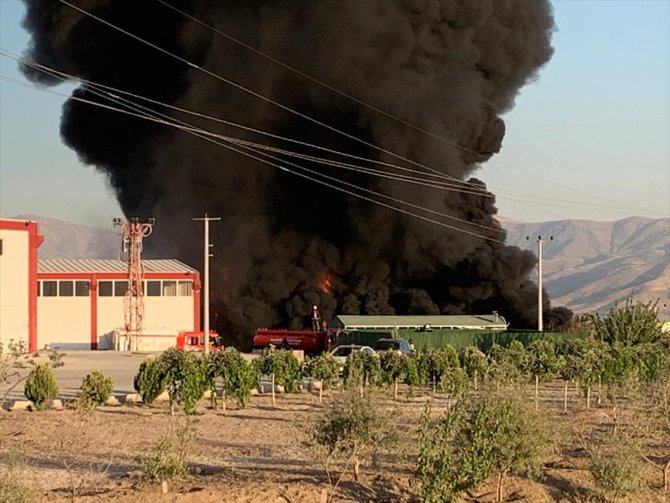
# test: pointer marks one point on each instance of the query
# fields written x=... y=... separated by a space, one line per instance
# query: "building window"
x=120 y=288
x=39 y=288
x=170 y=288
x=153 y=288
x=105 y=288
x=82 y=288
x=49 y=288
x=185 y=288
x=65 y=289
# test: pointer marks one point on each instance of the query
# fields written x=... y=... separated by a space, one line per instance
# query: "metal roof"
x=108 y=265
x=487 y=321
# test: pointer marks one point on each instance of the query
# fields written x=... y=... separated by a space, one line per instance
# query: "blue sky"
x=594 y=128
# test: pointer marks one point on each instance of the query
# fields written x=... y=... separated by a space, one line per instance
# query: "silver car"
x=340 y=353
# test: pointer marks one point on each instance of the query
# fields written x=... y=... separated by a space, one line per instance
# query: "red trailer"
x=310 y=341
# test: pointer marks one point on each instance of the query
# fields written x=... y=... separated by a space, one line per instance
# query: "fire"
x=325 y=284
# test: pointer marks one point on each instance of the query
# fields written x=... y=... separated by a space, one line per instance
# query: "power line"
x=480 y=156
x=256 y=157
x=473 y=189
x=256 y=94
x=430 y=183
x=433 y=184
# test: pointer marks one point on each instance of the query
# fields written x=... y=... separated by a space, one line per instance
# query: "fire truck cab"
x=195 y=341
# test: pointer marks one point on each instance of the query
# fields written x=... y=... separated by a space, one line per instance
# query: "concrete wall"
x=160 y=314
x=64 y=322
x=66 y=317
x=14 y=285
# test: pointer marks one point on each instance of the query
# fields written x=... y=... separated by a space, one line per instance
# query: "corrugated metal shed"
x=479 y=322
x=108 y=265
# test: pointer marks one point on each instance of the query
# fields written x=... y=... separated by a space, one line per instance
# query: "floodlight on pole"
x=540 y=242
x=132 y=233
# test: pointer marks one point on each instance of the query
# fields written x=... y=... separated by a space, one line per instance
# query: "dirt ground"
x=258 y=454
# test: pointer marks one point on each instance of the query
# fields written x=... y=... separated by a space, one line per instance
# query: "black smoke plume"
x=451 y=67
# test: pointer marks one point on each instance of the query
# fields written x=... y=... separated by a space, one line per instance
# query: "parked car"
x=400 y=345
x=340 y=353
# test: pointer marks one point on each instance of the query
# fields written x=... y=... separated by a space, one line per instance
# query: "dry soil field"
x=259 y=454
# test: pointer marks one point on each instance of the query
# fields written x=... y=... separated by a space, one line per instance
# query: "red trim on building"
x=118 y=275
x=35 y=239
x=95 y=277
x=94 y=311
x=196 y=302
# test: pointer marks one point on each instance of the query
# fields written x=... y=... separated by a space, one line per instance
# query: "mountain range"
x=587 y=265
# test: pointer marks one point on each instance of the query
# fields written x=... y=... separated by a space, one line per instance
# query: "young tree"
x=633 y=323
x=185 y=377
x=237 y=377
x=149 y=381
x=14 y=358
x=615 y=471
x=281 y=366
x=508 y=364
x=656 y=427
x=474 y=363
x=620 y=373
x=351 y=427
x=392 y=366
x=324 y=368
x=481 y=436
x=588 y=358
x=438 y=364
x=360 y=370
x=542 y=362
x=41 y=386
x=95 y=389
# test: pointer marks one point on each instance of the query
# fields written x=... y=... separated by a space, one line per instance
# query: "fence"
x=456 y=338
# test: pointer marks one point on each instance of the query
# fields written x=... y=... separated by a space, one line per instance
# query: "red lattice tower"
x=134 y=231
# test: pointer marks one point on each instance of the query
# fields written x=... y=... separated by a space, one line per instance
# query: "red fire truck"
x=316 y=340
x=310 y=341
x=195 y=341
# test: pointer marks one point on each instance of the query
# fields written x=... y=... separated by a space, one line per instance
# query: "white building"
x=19 y=240
x=79 y=303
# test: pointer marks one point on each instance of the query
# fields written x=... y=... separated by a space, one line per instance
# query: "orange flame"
x=325 y=284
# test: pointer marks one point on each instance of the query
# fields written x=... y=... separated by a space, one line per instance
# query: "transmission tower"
x=133 y=232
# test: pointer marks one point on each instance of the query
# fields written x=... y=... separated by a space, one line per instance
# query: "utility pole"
x=206 y=254
x=540 y=242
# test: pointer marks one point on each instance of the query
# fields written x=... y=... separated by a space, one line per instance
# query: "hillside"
x=68 y=240
x=588 y=266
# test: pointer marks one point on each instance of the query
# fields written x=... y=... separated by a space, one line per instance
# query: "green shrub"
x=438 y=363
x=149 y=381
x=96 y=388
x=633 y=323
x=653 y=361
x=237 y=376
x=324 y=367
x=473 y=361
x=167 y=459
x=41 y=386
x=615 y=471
x=392 y=366
x=361 y=369
x=351 y=427
x=509 y=364
x=413 y=371
x=479 y=437
x=282 y=364
x=185 y=377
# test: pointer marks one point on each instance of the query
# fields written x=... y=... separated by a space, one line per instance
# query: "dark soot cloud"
x=285 y=243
